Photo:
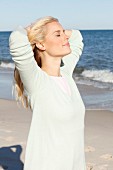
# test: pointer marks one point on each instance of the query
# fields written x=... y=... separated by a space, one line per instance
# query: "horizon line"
x=93 y=29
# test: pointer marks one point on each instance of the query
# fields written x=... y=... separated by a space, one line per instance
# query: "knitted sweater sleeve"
x=23 y=57
x=76 y=45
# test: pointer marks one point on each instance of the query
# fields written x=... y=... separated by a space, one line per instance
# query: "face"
x=56 y=41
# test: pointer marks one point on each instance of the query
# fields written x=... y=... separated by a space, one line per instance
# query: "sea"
x=93 y=73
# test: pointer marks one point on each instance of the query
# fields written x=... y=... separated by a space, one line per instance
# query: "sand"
x=99 y=139
x=14 y=128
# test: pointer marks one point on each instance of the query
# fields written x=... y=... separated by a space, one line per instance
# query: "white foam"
x=7 y=65
x=105 y=76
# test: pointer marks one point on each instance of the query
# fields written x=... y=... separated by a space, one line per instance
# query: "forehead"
x=53 y=26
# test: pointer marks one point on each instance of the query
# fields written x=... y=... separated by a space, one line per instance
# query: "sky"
x=79 y=14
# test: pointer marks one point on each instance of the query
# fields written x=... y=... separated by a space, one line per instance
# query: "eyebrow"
x=58 y=31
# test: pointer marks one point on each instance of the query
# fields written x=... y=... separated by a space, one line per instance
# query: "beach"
x=15 y=123
x=99 y=139
x=14 y=128
x=94 y=78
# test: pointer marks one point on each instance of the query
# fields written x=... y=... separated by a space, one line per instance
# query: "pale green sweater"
x=56 y=137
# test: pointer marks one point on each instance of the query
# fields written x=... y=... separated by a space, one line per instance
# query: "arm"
x=76 y=45
x=23 y=56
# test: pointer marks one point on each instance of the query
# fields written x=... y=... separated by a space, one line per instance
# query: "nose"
x=66 y=37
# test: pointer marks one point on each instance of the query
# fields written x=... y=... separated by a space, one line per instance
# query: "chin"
x=68 y=52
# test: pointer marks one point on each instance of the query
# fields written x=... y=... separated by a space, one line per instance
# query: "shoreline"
x=93 y=97
x=15 y=123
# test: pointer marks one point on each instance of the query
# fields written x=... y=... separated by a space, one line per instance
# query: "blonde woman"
x=56 y=137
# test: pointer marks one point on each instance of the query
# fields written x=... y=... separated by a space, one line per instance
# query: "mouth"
x=67 y=44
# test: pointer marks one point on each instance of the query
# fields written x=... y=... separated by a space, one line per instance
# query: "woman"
x=56 y=137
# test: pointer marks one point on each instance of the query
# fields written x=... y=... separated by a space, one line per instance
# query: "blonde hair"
x=36 y=33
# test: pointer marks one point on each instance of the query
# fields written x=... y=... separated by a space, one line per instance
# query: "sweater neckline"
x=61 y=76
x=56 y=76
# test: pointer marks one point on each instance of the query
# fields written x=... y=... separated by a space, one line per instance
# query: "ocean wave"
x=105 y=76
x=7 y=65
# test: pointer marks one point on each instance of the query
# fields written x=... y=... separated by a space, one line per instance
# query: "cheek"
x=53 y=50
x=56 y=48
x=53 y=45
x=55 y=41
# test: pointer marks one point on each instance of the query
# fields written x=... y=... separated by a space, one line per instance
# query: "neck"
x=51 y=65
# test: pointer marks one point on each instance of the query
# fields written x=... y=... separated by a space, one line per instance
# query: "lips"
x=67 y=44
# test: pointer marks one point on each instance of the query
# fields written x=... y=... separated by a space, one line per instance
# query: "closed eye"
x=58 y=35
x=59 y=32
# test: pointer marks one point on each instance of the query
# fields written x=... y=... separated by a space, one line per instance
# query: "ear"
x=40 y=46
